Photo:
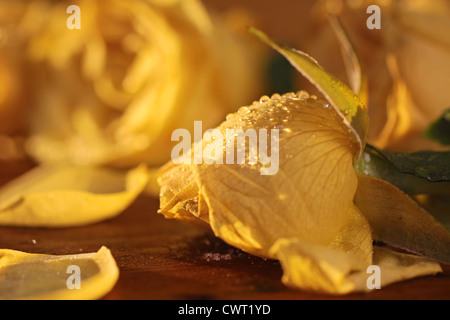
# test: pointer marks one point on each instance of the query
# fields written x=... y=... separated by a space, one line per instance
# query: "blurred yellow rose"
x=13 y=100
x=10 y=90
x=407 y=63
x=113 y=91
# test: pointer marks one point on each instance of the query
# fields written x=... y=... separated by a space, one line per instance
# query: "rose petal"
x=68 y=196
x=46 y=277
x=399 y=221
x=321 y=269
x=310 y=198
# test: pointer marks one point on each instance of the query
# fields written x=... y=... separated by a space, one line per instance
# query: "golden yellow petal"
x=179 y=193
x=309 y=198
x=396 y=266
x=321 y=269
x=316 y=268
x=47 y=277
x=311 y=195
x=66 y=196
x=399 y=221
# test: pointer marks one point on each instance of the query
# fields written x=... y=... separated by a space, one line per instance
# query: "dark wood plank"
x=164 y=259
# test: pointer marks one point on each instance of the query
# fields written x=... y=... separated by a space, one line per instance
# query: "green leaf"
x=415 y=173
x=431 y=165
x=348 y=105
x=440 y=129
x=438 y=206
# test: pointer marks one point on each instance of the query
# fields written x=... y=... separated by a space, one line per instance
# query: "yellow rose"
x=304 y=215
x=315 y=213
x=113 y=91
x=407 y=63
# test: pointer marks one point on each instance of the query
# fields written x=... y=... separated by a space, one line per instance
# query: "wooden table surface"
x=166 y=259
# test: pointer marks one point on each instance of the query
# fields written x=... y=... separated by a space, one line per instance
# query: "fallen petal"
x=25 y=276
x=68 y=196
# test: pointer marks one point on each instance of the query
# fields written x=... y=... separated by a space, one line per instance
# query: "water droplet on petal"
x=303 y=95
x=276 y=96
x=289 y=95
x=243 y=111
x=264 y=99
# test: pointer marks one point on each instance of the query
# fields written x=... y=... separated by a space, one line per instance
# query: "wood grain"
x=163 y=259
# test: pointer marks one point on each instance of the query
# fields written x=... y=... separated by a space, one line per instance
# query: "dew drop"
x=303 y=95
x=264 y=99
x=243 y=111
x=289 y=95
x=276 y=96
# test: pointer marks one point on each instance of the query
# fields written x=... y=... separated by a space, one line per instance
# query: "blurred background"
x=112 y=92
